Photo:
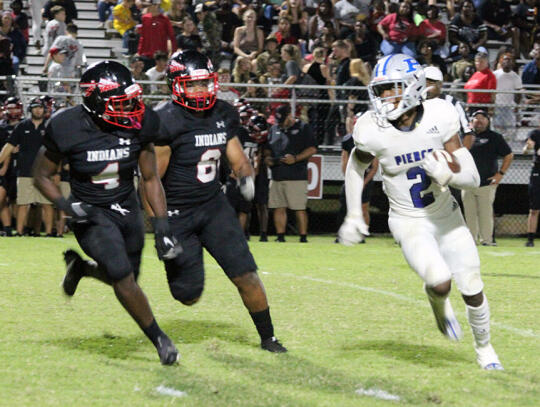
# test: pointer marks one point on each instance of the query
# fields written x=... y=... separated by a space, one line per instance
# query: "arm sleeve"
x=467 y=177
x=354 y=184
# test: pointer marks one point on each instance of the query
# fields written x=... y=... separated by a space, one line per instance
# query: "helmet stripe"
x=386 y=63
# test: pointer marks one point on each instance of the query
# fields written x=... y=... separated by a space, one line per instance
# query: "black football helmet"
x=13 y=108
x=186 y=70
x=245 y=112
x=50 y=104
x=111 y=94
x=258 y=128
x=35 y=102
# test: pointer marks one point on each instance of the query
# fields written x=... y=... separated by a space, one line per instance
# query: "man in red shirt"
x=156 y=34
x=483 y=78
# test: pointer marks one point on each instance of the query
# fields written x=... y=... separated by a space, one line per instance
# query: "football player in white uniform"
x=408 y=134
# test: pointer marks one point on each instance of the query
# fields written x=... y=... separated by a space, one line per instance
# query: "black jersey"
x=101 y=164
x=197 y=144
x=250 y=147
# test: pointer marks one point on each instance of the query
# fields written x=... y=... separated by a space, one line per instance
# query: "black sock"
x=263 y=234
x=153 y=332
x=303 y=238
x=281 y=237
x=263 y=323
x=530 y=237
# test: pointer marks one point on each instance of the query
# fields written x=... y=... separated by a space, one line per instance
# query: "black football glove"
x=166 y=244
x=79 y=212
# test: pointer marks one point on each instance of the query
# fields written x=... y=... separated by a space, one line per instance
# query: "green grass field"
x=352 y=318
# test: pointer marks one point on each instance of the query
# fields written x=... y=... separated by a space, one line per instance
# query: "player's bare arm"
x=153 y=190
x=242 y=168
x=354 y=227
x=6 y=152
x=238 y=160
x=45 y=167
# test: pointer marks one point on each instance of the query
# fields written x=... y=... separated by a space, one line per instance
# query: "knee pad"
x=186 y=293
x=469 y=282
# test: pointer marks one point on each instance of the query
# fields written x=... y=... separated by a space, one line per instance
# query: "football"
x=451 y=161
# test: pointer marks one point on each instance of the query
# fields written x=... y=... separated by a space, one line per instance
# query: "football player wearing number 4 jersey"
x=407 y=135
x=196 y=132
x=104 y=140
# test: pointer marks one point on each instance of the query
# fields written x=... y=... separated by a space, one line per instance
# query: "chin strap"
x=467 y=177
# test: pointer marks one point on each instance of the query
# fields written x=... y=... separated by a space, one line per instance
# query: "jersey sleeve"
x=151 y=126
x=50 y=141
x=503 y=149
x=361 y=134
x=449 y=115
x=164 y=134
x=233 y=118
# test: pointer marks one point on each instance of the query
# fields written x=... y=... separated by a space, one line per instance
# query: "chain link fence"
x=331 y=112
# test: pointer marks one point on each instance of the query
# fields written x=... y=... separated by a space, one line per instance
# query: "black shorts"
x=113 y=240
x=261 y=188
x=214 y=226
x=236 y=199
x=534 y=190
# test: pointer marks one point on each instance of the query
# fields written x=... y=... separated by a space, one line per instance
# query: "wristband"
x=160 y=225
x=501 y=172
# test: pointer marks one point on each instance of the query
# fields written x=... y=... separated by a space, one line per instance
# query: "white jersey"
x=409 y=189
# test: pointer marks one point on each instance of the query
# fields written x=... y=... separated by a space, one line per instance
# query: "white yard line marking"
x=378 y=394
x=169 y=391
x=501 y=254
x=527 y=333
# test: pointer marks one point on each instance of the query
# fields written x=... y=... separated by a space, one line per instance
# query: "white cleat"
x=487 y=358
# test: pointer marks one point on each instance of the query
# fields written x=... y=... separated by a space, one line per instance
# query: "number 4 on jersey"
x=108 y=177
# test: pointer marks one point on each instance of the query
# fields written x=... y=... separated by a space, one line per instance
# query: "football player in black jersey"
x=197 y=131
x=103 y=140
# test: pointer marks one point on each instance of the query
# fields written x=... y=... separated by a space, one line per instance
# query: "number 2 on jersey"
x=108 y=177
x=207 y=166
x=416 y=190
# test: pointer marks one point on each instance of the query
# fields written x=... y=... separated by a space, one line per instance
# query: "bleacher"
x=94 y=39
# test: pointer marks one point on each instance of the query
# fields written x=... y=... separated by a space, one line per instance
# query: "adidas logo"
x=433 y=130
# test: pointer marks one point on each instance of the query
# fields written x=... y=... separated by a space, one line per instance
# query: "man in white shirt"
x=504 y=119
x=158 y=72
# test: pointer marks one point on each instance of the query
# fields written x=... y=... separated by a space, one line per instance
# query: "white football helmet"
x=402 y=73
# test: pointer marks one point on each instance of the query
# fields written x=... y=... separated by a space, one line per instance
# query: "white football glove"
x=438 y=170
x=352 y=231
x=247 y=187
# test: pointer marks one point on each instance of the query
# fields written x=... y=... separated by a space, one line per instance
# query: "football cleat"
x=74 y=272
x=273 y=345
x=487 y=358
x=529 y=243
x=168 y=354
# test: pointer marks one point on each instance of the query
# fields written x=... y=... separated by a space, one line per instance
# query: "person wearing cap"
x=74 y=52
x=290 y=145
x=210 y=30
x=434 y=82
x=260 y=65
x=28 y=137
x=488 y=147
x=483 y=78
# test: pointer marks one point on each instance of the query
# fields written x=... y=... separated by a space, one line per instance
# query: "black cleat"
x=263 y=238
x=530 y=243
x=273 y=345
x=168 y=354
x=74 y=272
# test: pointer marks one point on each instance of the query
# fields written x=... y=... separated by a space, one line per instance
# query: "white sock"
x=478 y=318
